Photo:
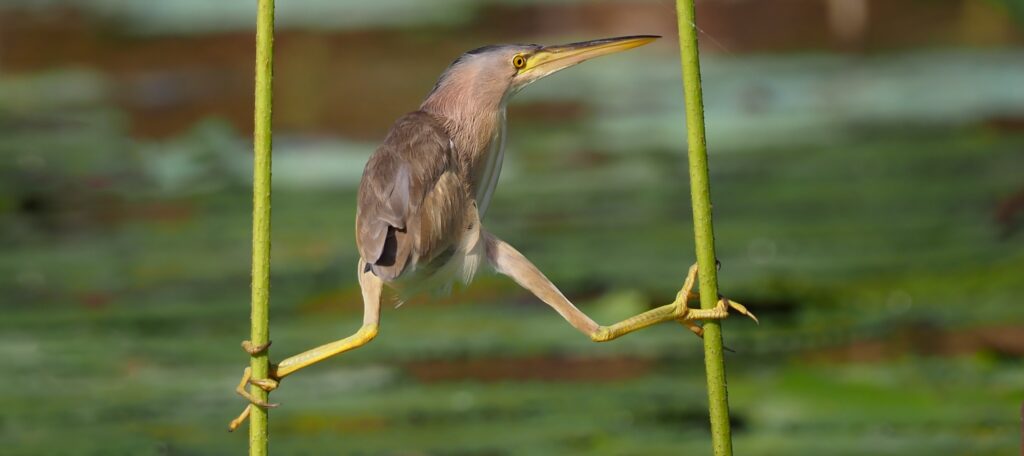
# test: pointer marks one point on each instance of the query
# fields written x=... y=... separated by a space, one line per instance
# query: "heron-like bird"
x=426 y=189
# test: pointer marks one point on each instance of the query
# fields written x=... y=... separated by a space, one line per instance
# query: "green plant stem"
x=260 y=363
x=700 y=192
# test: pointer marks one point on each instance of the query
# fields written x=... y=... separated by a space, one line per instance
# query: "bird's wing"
x=411 y=197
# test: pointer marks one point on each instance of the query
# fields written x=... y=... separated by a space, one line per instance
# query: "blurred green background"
x=867 y=162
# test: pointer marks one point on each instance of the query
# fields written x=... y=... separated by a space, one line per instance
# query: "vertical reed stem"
x=261 y=219
x=700 y=191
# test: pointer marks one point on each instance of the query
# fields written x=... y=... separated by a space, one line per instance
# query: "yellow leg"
x=310 y=357
x=371 y=287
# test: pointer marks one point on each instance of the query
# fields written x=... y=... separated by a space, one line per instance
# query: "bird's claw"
x=686 y=315
x=698 y=330
x=695 y=328
x=253 y=349
x=265 y=384
x=739 y=308
x=719 y=312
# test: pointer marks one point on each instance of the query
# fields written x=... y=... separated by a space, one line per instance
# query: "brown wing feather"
x=411 y=198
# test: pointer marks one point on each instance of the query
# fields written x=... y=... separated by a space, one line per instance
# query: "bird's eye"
x=519 y=61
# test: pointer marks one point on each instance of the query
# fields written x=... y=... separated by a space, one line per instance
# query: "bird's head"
x=499 y=71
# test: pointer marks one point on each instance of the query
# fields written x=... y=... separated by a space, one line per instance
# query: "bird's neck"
x=471 y=114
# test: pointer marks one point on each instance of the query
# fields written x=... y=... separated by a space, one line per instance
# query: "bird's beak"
x=551 y=59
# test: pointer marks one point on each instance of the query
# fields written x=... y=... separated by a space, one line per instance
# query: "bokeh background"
x=867 y=162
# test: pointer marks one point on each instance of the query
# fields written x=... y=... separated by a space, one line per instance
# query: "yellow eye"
x=519 y=61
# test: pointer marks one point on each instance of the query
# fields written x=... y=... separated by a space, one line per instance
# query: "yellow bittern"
x=427 y=187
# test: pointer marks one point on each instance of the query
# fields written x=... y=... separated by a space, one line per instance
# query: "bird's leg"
x=371 y=286
x=507 y=260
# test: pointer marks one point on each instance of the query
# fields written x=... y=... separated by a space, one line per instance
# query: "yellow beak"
x=554 y=58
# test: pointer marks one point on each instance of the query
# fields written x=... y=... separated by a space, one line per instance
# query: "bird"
x=426 y=189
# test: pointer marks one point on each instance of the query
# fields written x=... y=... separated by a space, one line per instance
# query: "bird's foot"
x=265 y=384
x=686 y=315
x=719 y=312
x=677 y=310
